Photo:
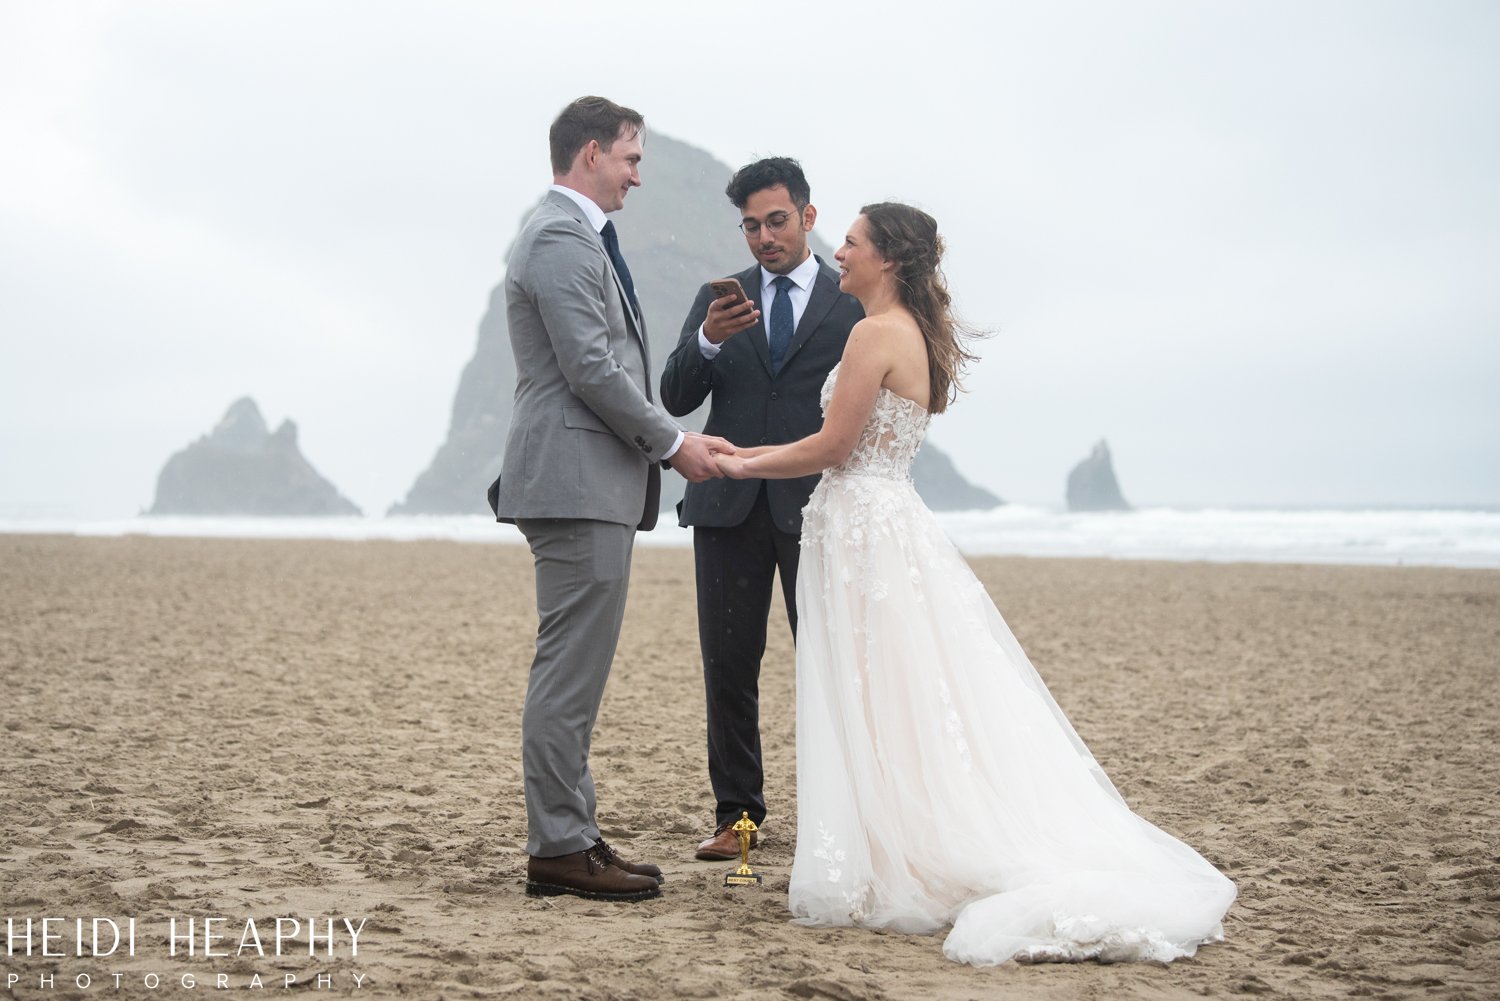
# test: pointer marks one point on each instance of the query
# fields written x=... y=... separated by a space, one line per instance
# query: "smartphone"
x=728 y=286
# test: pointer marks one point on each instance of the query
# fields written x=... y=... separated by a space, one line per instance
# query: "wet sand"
x=262 y=729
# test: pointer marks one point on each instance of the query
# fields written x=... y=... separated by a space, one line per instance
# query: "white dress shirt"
x=595 y=216
x=802 y=276
x=590 y=209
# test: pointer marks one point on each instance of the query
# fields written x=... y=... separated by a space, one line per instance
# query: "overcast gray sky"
x=1255 y=245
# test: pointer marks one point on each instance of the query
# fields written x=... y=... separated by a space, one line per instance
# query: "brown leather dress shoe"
x=639 y=868
x=725 y=844
x=586 y=874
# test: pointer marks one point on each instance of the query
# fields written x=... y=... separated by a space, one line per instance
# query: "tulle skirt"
x=938 y=781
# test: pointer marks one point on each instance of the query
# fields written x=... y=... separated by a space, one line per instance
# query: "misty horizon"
x=1258 y=261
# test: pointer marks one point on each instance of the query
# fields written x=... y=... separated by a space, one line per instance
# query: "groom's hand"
x=714 y=442
x=694 y=458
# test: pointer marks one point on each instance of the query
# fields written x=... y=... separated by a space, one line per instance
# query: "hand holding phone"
x=730 y=312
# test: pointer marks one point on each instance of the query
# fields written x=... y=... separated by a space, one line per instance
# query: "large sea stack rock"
x=677 y=231
x=943 y=488
x=1092 y=485
x=242 y=468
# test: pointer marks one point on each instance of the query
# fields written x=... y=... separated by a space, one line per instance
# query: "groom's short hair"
x=589 y=118
x=768 y=173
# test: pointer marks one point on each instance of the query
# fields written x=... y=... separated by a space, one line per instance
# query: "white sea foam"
x=1389 y=537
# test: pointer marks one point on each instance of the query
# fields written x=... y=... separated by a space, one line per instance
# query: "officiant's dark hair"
x=909 y=237
x=590 y=118
x=768 y=173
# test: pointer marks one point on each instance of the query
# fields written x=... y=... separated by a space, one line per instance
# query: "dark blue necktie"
x=612 y=246
x=781 y=321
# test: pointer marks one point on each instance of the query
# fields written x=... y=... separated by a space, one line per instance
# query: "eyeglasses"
x=774 y=223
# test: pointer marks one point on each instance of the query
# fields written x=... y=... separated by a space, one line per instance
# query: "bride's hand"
x=731 y=466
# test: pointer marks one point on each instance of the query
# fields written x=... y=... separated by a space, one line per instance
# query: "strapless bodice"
x=890 y=438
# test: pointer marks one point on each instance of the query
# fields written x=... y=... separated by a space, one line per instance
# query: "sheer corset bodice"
x=890 y=438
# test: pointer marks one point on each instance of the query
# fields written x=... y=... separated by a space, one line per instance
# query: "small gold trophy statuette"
x=744 y=875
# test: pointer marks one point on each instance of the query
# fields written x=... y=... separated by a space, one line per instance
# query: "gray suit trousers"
x=582 y=573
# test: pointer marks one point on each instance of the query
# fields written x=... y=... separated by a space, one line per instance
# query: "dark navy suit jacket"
x=749 y=405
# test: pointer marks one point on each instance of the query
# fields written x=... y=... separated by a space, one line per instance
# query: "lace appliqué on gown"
x=881 y=460
x=938 y=781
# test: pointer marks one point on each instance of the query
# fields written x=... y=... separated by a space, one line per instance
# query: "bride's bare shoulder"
x=895 y=321
x=888 y=332
x=891 y=345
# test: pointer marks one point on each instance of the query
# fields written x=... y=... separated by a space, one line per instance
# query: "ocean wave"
x=1375 y=536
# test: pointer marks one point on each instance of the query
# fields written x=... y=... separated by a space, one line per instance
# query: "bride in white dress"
x=938 y=782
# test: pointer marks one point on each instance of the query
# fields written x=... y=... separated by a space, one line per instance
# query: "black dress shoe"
x=638 y=868
x=586 y=874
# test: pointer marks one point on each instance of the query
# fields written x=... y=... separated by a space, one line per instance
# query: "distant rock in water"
x=242 y=468
x=1092 y=485
x=677 y=231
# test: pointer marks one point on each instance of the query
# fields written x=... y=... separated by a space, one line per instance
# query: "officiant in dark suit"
x=761 y=363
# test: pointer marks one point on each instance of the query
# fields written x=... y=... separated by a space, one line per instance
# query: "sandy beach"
x=256 y=730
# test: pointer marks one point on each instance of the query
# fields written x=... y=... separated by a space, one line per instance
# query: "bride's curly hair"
x=909 y=237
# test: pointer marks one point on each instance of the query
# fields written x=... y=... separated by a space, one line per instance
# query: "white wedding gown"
x=937 y=780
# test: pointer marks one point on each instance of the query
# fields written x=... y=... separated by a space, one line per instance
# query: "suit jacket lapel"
x=750 y=282
x=825 y=292
x=636 y=324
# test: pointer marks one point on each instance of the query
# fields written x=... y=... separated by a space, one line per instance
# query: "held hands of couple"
x=728 y=316
x=694 y=458
x=732 y=466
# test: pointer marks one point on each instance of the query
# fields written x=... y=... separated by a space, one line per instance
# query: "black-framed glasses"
x=774 y=223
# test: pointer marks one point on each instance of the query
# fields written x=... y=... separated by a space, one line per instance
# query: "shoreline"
x=1467 y=539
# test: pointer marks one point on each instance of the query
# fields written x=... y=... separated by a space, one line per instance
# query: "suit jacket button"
x=775 y=396
x=762 y=439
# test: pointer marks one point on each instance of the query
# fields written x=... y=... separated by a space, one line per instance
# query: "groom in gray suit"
x=579 y=477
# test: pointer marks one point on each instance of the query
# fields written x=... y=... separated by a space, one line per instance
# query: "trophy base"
x=741 y=879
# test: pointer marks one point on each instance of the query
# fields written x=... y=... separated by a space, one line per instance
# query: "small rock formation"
x=1092 y=485
x=241 y=468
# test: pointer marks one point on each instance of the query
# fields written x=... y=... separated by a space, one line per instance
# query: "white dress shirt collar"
x=594 y=213
x=803 y=275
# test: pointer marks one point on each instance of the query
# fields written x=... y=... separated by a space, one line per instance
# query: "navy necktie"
x=781 y=321
x=612 y=247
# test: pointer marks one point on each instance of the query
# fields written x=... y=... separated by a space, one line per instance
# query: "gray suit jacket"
x=749 y=404
x=585 y=436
